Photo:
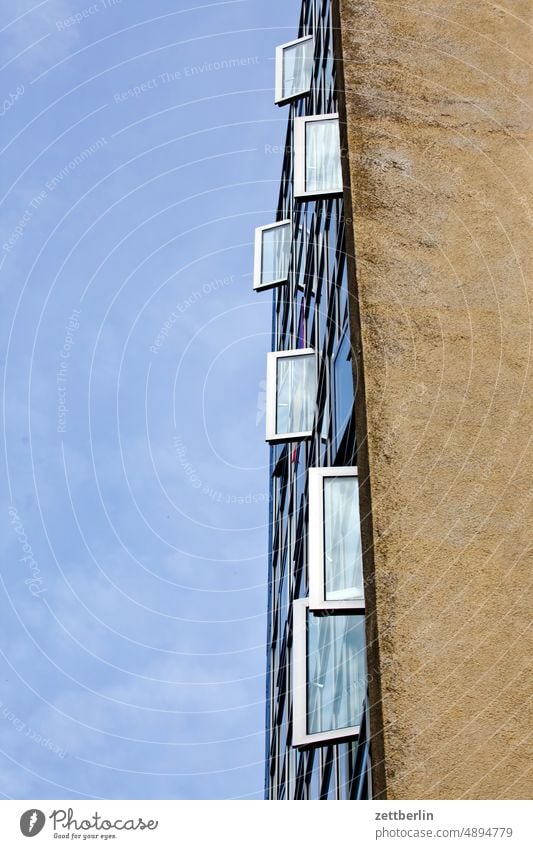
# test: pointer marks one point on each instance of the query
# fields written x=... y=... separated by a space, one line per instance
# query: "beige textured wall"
x=438 y=113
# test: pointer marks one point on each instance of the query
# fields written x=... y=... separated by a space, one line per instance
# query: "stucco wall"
x=438 y=107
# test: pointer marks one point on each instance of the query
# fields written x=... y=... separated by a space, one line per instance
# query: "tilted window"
x=335 y=555
x=317 y=161
x=291 y=394
x=329 y=674
x=272 y=254
x=294 y=69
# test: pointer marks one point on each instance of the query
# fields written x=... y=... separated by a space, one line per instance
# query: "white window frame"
x=299 y=157
x=271 y=395
x=279 y=98
x=258 y=257
x=317 y=578
x=300 y=737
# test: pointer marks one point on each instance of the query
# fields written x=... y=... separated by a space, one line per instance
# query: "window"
x=317 y=162
x=291 y=394
x=294 y=69
x=272 y=254
x=343 y=389
x=329 y=674
x=335 y=557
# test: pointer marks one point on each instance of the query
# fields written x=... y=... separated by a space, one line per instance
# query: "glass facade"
x=317 y=718
x=343 y=388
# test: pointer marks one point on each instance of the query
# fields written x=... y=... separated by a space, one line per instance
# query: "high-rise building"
x=398 y=410
x=317 y=723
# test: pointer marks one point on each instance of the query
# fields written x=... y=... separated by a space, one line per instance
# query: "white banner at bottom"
x=264 y=825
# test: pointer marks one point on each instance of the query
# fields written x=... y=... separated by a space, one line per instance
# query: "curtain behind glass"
x=297 y=68
x=322 y=157
x=343 y=563
x=336 y=677
x=296 y=382
x=275 y=253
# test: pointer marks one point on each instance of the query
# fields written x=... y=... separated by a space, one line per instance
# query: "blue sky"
x=136 y=159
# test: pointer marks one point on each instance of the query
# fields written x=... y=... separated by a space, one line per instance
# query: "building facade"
x=317 y=719
x=435 y=106
x=399 y=404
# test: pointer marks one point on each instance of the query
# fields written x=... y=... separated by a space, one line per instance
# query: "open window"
x=329 y=674
x=317 y=160
x=291 y=394
x=272 y=254
x=294 y=69
x=335 y=556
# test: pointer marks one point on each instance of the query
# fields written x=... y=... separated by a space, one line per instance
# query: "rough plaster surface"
x=438 y=99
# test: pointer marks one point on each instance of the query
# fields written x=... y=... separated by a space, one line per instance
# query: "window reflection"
x=343 y=384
